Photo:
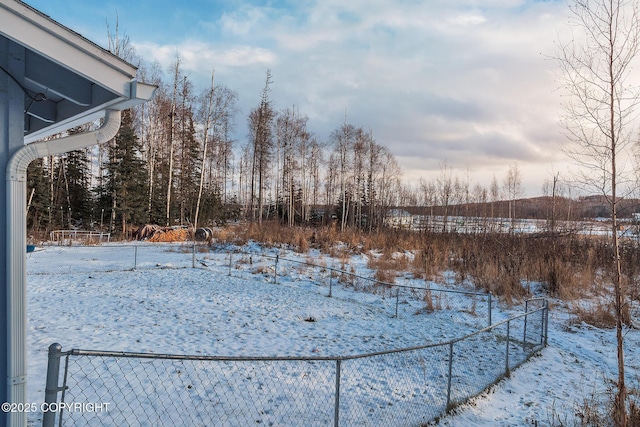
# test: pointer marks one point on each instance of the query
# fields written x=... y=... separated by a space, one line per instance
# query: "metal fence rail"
x=407 y=387
x=70 y=236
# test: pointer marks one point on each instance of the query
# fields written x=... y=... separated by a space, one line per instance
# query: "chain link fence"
x=407 y=387
x=411 y=386
x=468 y=308
x=464 y=307
x=107 y=258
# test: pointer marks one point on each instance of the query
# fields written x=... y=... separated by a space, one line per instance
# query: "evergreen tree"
x=79 y=194
x=260 y=123
x=189 y=176
x=38 y=196
x=212 y=209
x=125 y=184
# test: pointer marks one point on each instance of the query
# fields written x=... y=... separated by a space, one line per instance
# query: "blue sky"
x=464 y=82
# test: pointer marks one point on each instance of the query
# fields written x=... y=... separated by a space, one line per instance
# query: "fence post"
x=450 y=374
x=230 y=264
x=275 y=271
x=544 y=333
x=330 y=281
x=51 y=387
x=526 y=316
x=546 y=322
x=506 y=369
x=336 y=417
x=397 y=298
x=193 y=255
x=489 y=309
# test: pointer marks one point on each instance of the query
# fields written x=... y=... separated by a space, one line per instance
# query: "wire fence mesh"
x=469 y=308
x=407 y=387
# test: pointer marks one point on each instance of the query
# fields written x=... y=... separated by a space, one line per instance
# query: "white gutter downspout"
x=16 y=303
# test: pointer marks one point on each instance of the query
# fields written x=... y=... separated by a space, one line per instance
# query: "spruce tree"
x=38 y=199
x=79 y=194
x=124 y=187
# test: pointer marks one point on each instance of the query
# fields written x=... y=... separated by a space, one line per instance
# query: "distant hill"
x=587 y=207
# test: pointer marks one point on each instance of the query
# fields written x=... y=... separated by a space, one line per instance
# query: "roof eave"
x=28 y=27
x=139 y=93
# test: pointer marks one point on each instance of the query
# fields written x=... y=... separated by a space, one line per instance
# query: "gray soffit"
x=68 y=80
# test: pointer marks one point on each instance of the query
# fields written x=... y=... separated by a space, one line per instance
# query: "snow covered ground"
x=89 y=298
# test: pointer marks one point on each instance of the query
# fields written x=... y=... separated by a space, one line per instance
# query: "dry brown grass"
x=385 y=276
x=428 y=300
x=388 y=266
x=634 y=411
x=598 y=315
x=596 y=409
x=321 y=261
x=569 y=267
x=303 y=243
x=262 y=269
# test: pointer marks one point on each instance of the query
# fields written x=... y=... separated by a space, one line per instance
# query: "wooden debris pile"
x=155 y=233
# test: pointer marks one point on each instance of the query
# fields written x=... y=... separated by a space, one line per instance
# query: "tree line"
x=175 y=162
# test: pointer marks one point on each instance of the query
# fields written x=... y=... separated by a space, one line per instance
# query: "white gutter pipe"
x=16 y=247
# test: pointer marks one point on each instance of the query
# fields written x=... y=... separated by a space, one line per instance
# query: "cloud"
x=199 y=56
x=243 y=21
x=461 y=81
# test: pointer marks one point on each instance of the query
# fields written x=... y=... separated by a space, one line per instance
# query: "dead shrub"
x=568 y=266
x=592 y=413
x=599 y=315
x=431 y=302
x=262 y=269
x=634 y=411
x=423 y=266
x=303 y=243
x=385 y=276
x=388 y=265
x=563 y=282
x=597 y=409
x=385 y=268
x=346 y=278
x=245 y=259
x=428 y=299
x=222 y=234
x=402 y=262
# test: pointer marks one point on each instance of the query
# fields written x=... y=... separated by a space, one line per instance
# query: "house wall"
x=11 y=139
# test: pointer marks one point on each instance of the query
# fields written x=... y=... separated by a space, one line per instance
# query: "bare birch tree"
x=208 y=122
x=174 y=100
x=444 y=184
x=152 y=117
x=388 y=182
x=599 y=116
x=217 y=104
x=551 y=190
x=292 y=142
x=494 y=196
x=316 y=161
x=513 y=190
x=429 y=200
x=343 y=139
